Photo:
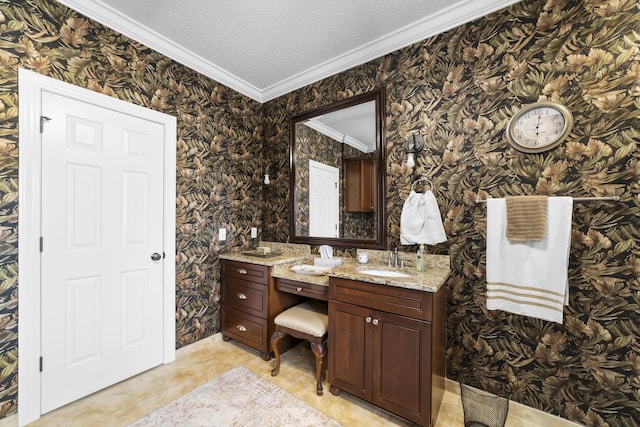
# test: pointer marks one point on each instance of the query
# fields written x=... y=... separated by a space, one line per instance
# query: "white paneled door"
x=324 y=200
x=102 y=240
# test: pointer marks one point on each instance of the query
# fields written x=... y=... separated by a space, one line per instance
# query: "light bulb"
x=266 y=179
x=410 y=162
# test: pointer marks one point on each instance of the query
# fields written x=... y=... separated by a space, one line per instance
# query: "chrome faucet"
x=395 y=259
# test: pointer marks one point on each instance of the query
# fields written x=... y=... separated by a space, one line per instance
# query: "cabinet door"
x=350 y=344
x=402 y=366
x=367 y=188
x=359 y=185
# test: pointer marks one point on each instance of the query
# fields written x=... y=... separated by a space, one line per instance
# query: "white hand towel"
x=420 y=221
x=529 y=278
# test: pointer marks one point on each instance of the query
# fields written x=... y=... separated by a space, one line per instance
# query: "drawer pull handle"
x=299 y=289
x=241 y=295
x=367 y=319
x=241 y=328
x=242 y=271
x=375 y=321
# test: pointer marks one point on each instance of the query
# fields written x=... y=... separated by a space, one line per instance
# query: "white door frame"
x=30 y=86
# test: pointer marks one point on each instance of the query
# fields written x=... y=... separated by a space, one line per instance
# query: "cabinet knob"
x=241 y=328
x=242 y=271
x=299 y=289
x=375 y=321
x=367 y=319
x=241 y=295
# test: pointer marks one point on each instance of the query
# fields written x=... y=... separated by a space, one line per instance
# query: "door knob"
x=156 y=256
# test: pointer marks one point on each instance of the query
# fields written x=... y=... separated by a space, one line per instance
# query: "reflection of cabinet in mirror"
x=359 y=185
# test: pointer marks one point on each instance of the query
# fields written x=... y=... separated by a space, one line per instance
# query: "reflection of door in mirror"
x=319 y=148
x=323 y=200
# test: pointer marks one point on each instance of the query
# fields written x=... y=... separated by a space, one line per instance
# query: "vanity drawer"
x=245 y=296
x=405 y=302
x=310 y=290
x=244 y=328
x=242 y=270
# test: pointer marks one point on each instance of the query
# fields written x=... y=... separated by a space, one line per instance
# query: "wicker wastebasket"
x=483 y=409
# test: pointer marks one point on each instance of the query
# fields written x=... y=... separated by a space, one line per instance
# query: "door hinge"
x=41 y=363
x=41 y=244
x=43 y=119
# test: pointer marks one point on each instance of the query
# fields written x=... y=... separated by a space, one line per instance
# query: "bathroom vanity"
x=386 y=325
x=386 y=332
x=249 y=301
x=387 y=346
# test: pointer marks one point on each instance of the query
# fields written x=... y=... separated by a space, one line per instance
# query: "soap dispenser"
x=420 y=259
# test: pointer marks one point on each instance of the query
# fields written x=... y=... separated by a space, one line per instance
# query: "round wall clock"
x=539 y=127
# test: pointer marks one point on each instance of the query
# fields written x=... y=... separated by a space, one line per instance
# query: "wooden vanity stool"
x=308 y=321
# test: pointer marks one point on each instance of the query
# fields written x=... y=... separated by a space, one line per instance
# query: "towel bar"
x=577 y=199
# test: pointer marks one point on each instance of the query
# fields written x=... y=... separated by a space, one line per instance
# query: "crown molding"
x=451 y=17
x=133 y=29
x=317 y=125
x=459 y=13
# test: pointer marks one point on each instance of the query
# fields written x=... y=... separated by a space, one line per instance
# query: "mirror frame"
x=377 y=95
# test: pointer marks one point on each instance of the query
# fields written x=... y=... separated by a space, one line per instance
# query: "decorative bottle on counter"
x=420 y=259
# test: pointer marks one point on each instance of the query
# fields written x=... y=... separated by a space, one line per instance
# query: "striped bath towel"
x=531 y=277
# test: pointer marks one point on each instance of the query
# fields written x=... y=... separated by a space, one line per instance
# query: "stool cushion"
x=309 y=318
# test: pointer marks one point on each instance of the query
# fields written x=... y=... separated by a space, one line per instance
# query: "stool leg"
x=319 y=350
x=277 y=336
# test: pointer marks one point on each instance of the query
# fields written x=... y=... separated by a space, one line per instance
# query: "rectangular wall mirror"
x=337 y=173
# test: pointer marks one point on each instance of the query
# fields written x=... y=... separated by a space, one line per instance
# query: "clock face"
x=539 y=127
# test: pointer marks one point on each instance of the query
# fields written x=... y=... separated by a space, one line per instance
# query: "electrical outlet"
x=222 y=234
x=254 y=232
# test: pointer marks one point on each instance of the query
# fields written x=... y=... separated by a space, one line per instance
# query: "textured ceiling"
x=266 y=48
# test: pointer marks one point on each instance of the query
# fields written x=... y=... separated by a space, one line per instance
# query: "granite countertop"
x=427 y=281
x=290 y=253
x=430 y=280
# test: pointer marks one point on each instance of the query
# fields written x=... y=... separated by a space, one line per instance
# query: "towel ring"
x=420 y=180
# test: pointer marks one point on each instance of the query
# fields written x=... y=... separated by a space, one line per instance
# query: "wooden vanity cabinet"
x=249 y=303
x=387 y=347
x=359 y=185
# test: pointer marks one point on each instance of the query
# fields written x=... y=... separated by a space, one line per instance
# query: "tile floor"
x=196 y=364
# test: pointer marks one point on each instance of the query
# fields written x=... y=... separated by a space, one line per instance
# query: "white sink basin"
x=385 y=273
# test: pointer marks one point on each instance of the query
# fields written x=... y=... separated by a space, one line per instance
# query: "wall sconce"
x=266 y=176
x=414 y=145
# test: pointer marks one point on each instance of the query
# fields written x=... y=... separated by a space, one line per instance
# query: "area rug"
x=237 y=398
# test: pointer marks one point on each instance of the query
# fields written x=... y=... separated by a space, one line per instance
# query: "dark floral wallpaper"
x=458 y=90
x=219 y=154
